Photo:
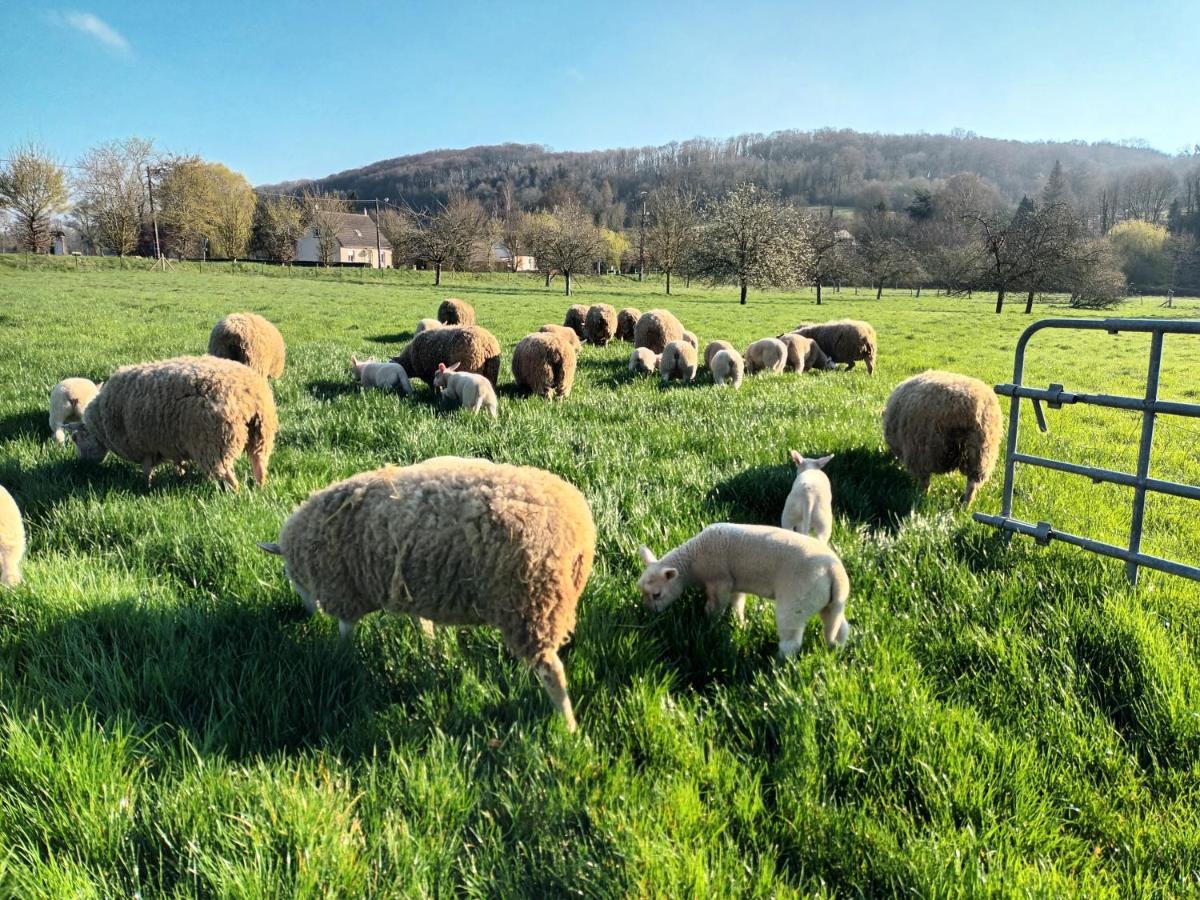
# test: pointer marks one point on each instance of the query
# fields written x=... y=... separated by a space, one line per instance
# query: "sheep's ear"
x=441 y=368
x=273 y=549
x=796 y=458
x=823 y=461
x=353 y=359
x=453 y=368
x=669 y=574
x=647 y=557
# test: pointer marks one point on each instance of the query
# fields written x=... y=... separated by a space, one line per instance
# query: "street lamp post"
x=642 y=241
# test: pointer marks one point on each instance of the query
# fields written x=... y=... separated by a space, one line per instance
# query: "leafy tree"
x=616 y=245
x=672 y=228
x=568 y=241
x=33 y=187
x=111 y=182
x=1142 y=250
x=278 y=224
x=184 y=194
x=231 y=215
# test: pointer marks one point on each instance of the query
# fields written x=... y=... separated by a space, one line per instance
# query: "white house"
x=502 y=257
x=354 y=242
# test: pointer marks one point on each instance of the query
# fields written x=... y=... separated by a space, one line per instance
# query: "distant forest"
x=835 y=168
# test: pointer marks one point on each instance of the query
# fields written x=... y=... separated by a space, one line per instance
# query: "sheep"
x=474 y=349
x=766 y=355
x=600 y=325
x=68 y=399
x=473 y=392
x=804 y=353
x=12 y=540
x=802 y=575
x=655 y=329
x=690 y=337
x=727 y=368
x=426 y=325
x=370 y=373
x=809 y=505
x=644 y=361
x=451 y=541
x=627 y=322
x=197 y=408
x=544 y=364
x=844 y=341
x=712 y=348
x=938 y=422
x=453 y=311
x=250 y=339
x=576 y=320
x=562 y=331
x=678 y=360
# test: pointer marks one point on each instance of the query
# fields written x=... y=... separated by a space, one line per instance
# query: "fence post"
x=1143 y=465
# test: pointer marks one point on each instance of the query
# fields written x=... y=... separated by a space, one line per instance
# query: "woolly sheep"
x=68 y=399
x=544 y=364
x=690 y=337
x=250 y=339
x=712 y=348
x=576 y=320
x=809 y=505
x=474 y=349
x=600 y=325
x=450 y=541
x=426 y=325
x=844 y=341
x=727 y=368
x=626 y=323
x=12 y=540
x=370 y=373
x=657 y=328
x=678 y=360
x=453 y=311
x=197 y=408
x=766 y=355
x=938 y=422
x=472 y=392
x=643 y=361
x=562 y=331
x=804 y=354
x=802 y=575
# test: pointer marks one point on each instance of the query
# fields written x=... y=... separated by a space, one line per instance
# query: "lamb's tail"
x=833 y=616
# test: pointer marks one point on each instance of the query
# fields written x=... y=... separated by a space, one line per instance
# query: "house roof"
x=357 y=230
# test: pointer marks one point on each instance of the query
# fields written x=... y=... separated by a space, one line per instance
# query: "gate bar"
x=1175 y=489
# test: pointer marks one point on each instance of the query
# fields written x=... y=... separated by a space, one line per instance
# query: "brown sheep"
x=544 y=364
x=453 y=311
x=475 y=349
x=250 y=339
x=804 y=353
x=766 y=355
x=940 y=422
x=657 y=328
x=562 y=331
x=601 y=324
x=627 y=323
x=576 y=320
x=844 y=341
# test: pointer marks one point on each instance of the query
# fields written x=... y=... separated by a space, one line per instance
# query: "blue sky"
x=282 y=90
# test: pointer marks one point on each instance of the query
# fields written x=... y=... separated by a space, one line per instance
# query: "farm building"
x=354 y=242
x=503 y=259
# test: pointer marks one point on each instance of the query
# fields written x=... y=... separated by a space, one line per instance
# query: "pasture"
x=1004 y=720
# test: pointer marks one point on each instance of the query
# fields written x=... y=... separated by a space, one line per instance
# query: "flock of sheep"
x=458 y=541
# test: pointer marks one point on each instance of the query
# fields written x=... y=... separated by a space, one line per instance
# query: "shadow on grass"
x=400 y=337
x=40 y=488
x=33 y=423
x=325 y=389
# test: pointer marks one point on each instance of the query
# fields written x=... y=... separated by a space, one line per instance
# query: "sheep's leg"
x=258 y=467
x=425 y=625
x=870 y=365
x=790 y=619
x=970 y=492
x=10 y=571
x=849 y=365
x=554 y=680
x=739 y=609
x=228 y=477
x=721 y=596
x=148 y=465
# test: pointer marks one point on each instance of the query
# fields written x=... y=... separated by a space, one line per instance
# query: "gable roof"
x=357 y=230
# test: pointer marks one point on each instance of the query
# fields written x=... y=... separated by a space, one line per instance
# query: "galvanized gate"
x=1149 y=405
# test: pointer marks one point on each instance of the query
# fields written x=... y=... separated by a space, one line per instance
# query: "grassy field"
x=1005 y=720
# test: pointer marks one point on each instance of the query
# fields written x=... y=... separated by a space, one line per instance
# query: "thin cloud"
x=574 y=74
x=95 y=28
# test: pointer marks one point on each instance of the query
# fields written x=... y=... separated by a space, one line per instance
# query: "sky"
x=281 y=91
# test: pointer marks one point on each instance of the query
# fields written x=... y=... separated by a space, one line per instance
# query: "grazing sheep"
x=474 y=349
x=453 y=311
x=197 y=408
x=809 y=506
x=727 y=367
x=678 y=360
x=453 y=541
x=802 y=575
x=712 y=348
x=938 y=422
x=426 y=325
x=655 y=329
x=576 y=320
x=250 y=339
x=390 y=375
x=472 y=392
x=627 y=322
x=803 y=353
x=844 y=341
x=600 y=326
x=690 y=337
x=562 y=331
x=544 y=364
x=12 y=540
x=644 y=361
x=68 y=399
x=766 y=355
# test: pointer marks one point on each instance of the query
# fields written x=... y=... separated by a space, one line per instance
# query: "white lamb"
x=473 y=392
x=809 y=506
x=727 y=367
x=68 y=399
x=390 y=375
x=802 y=575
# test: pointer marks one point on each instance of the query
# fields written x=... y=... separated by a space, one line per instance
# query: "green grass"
x=1005 y=721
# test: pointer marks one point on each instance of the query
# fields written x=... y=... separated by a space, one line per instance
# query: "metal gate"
x=1149 y=405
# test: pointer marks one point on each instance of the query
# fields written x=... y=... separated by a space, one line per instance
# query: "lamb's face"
x=439 y=381
x=87 y=445
x=660 y=585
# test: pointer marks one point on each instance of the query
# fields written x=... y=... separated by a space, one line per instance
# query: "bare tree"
x=883 y=252
x=279 y=222
x=33 y=187
x=568 y=241
x=673 y=226
x=447 y=236
x=321 y=212
x=397 y=228
x=1146 y=193
x=1021 y=250
x=111 y=181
